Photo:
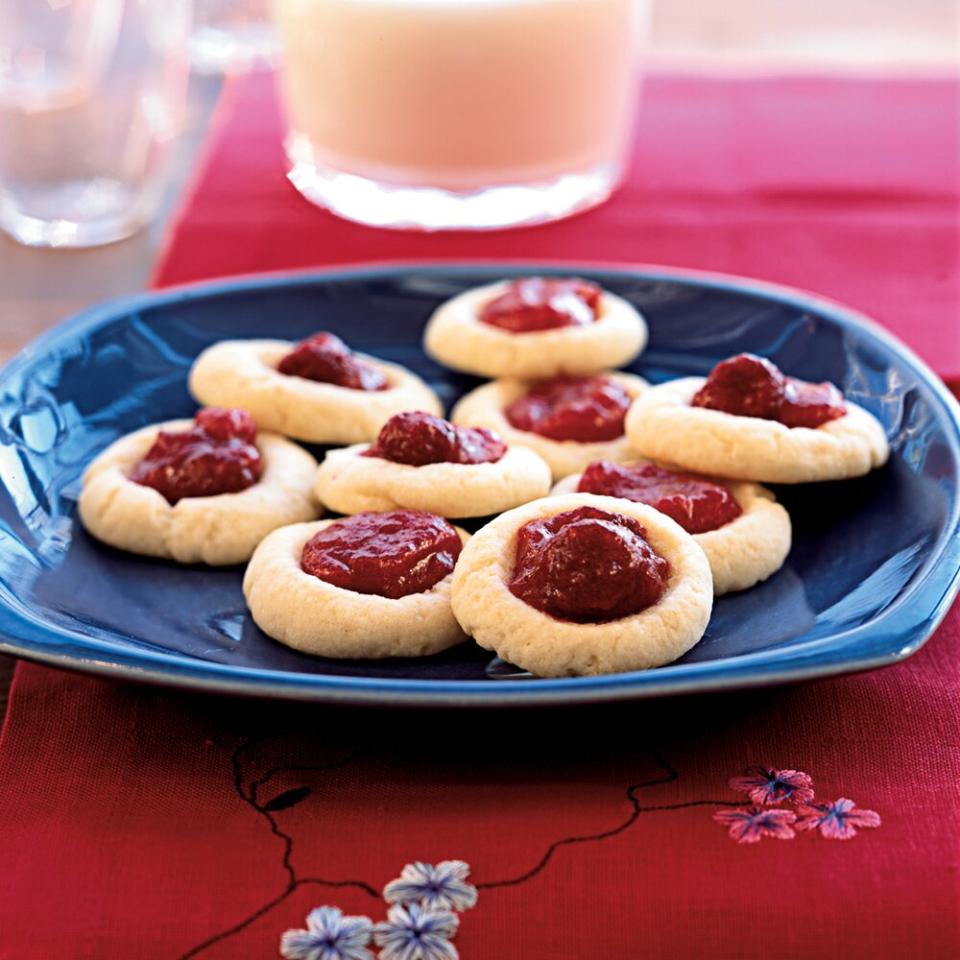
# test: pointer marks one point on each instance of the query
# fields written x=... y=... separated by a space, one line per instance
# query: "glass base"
x=378 y=204
x=81 y=213
x=234 y=49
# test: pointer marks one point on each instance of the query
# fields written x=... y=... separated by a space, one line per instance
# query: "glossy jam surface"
x=696 y=503
x=587 y=566
x=543 y=303
x=751 y=386
x=418 y=438
x=389 y=554
x=325 y=358
x=585 y=409
x=810 y=404
x=216 y=455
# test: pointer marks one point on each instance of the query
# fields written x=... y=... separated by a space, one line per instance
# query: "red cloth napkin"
x=152 y=824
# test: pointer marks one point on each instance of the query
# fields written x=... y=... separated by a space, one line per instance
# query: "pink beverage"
x=458 y=113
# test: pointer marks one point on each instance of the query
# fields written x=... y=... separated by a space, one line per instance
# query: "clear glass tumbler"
x=91 y=102
x=438 y=114
x=232 y=35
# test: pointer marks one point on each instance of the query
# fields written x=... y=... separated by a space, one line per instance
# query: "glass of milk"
x=445 y=114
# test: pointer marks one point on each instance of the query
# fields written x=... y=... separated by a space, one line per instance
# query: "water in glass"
x=91 y=96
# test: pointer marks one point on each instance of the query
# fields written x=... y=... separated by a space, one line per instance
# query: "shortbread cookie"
x=662 y=425
x=529 y=638
x=318 y=617
x=219 y=529
x=486 y=405
x=742 y=551
x=348 y=481
x=457 y=337
x=244 y=373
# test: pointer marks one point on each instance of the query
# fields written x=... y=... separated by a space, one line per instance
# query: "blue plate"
x=873 y=568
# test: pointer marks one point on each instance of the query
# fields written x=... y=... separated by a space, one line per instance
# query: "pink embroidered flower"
x=750 y=824
x=838 y=820
x=768 y=787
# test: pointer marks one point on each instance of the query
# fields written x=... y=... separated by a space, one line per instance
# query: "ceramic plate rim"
x=891 y=636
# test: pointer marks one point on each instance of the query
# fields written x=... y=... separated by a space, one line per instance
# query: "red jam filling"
x=389 y=554
x=585 y=409
x=810 y=404
x=418 y=438
x=750 y=386
x=216 y=455
x=587 y=566
x=694 y=502
x=543 y=303
x=327 y=359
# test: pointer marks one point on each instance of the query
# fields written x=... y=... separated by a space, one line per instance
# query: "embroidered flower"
x=440 y=887
x=838 y=820
x=329 y=936
x=414 y=932
x=768 y=787
x=749 y=824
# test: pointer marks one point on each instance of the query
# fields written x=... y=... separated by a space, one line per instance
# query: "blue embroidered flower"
x=440 y=887
x=417 y=933
x=838 y=820
x=329 y=936
x=769 y=786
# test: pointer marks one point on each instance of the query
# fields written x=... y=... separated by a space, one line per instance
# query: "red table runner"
x=153 y=824
x=845 y=187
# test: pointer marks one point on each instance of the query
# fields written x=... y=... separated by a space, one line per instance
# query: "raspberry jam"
x=694 y=502
x=216 y=455
x=585 y=409
x=327 y=359
x=388 y=554
x=810 y=404
x=587 y=566
x=750 y=386
x=418 y=438
x=539 y=303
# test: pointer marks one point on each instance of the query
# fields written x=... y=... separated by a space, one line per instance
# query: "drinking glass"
x=438 y=114
x=232 y=35
x=91 y=98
